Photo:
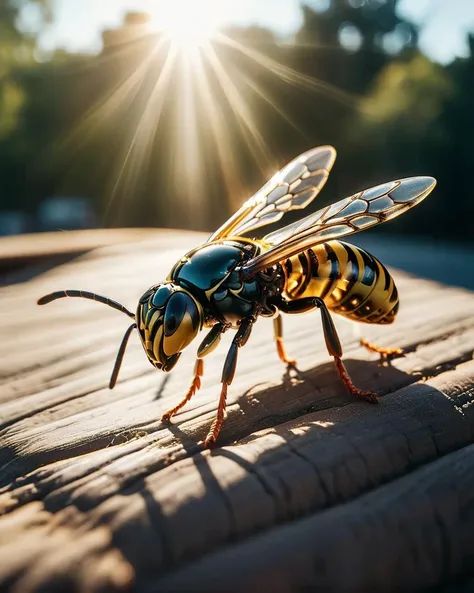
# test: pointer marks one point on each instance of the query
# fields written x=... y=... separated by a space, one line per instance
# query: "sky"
x=444 y=23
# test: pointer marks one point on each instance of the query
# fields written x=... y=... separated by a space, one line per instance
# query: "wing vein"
x=348 y=216
x=306 y=174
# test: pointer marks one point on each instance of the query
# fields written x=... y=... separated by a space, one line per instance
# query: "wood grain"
x=307 y=489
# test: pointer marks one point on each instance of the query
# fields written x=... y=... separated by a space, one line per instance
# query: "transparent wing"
x=348 y=216
x=292 y=188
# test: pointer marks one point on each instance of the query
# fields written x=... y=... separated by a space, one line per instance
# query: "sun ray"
x=190 y=183
x=261 y=93
x=289 y=75
x=217 y=122
x=245 y=117
x=139 y=148
x=100 y=115
x=193 y=93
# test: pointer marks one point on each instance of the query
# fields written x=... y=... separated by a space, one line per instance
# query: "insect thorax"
x=211 y=273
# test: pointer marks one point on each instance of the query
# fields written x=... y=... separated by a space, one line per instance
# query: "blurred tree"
x=400 y=132
x=368 y=31
x=17 y=46
x=454 y=162
x=11 y=12
x=344 y=46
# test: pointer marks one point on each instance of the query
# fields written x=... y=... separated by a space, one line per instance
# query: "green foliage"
x=400 y=117
x=399 y=131
x=409 y=93
x=11 y=102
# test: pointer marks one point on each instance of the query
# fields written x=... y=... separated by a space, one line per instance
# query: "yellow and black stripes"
x=168 y=319
x=352 y=282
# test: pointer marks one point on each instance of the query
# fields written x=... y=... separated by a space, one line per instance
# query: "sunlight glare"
x=189 y=24
x=193 y=92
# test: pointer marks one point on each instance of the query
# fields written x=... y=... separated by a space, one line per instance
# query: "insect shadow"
x=317 y=466
x=318 y=463
x=161 y=389
x=260 y=407
x=302 y=392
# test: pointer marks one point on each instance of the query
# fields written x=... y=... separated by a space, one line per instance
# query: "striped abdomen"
x=352 y=282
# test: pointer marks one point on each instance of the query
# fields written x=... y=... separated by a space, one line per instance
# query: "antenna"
x=120 y=353
x=82 y=294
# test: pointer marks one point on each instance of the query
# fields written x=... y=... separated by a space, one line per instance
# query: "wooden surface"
x=308 y=489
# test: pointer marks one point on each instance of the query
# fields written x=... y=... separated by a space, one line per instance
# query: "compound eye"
x=174 y=313
x=181 y=323
x=161 y=296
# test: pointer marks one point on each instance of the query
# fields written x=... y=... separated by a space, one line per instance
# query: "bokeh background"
x=124 y=113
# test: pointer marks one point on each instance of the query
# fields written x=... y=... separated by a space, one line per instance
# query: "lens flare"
x=188 y=24
x=184 y=108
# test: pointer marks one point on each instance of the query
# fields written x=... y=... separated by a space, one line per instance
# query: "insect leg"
x=195 y=385
x=228 y=372
x=385 y=353
x=210 y=342
x=333 y=344
x=370 y=396
x=306 y=304
x=280 y=344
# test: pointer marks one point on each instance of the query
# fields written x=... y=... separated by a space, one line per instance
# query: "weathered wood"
x=308 y=487
x=407 y=535
x=27 y=248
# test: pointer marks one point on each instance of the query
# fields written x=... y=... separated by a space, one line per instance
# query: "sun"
x=189 y=24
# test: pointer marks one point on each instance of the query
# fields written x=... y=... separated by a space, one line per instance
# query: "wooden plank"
x=134 y=501
x=408 y=535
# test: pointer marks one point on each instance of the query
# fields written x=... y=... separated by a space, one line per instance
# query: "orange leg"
x=228 y=373
x=195 y=385
x=218 y=420
x=368 y=395
x=280 y=344
x=385 y=353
